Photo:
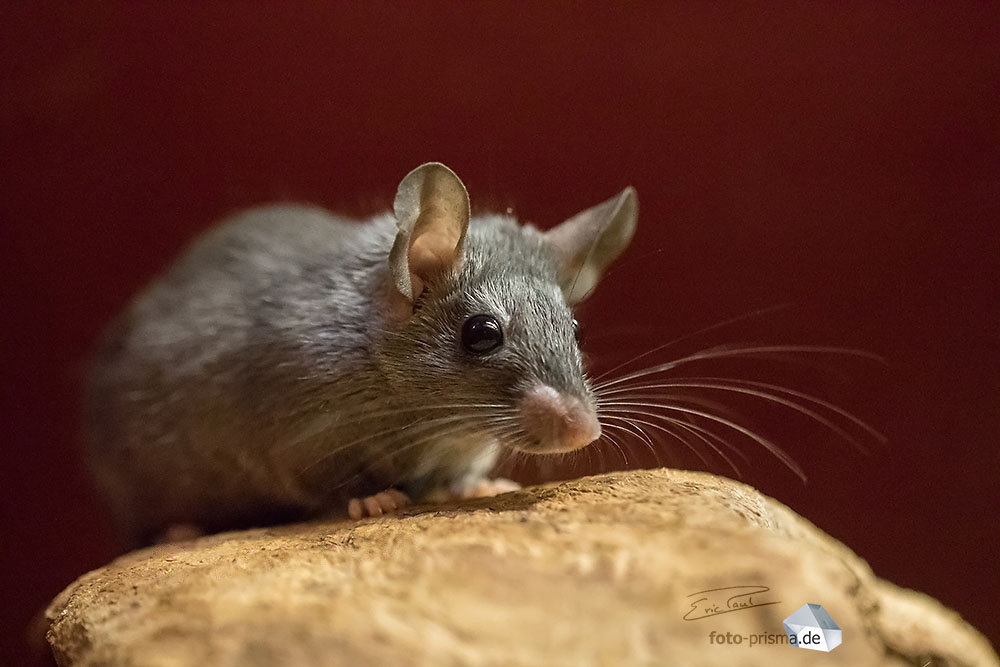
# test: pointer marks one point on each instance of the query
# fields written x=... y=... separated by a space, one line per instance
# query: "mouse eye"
x=482 y=334
x=576 y=330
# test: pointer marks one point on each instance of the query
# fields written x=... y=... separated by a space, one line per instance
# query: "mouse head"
x=480 y=312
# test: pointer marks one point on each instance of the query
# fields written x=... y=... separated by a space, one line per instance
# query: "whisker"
x=614 y=442
x=423 y=424
x=501 y=434
x=767 y=444
x=600 y=455
x=617 y=441
x=702 y=434
x=813 y=364
x=590 y=456
x=373 y=464
x=720 y=353
x=690 y=421
x=644 y=437
x=698 y=431
x=362 y=415
x=663 y=446
x=792 y=405
x=700 y=401
x=877 y=435
x=692 y=428
x=717 y=325
x=660 y=427
x=622 y=429
x=431 y=407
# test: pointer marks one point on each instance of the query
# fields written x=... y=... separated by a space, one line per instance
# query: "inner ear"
x=432 y=215
x=588 y=242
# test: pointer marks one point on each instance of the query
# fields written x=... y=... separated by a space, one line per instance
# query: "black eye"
x=576 y=330
x=481 y=334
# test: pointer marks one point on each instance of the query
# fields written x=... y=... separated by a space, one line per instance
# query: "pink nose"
x=559 y=423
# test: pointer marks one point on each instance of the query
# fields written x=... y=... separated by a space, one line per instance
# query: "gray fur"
x=286 y=363
x=260 y=377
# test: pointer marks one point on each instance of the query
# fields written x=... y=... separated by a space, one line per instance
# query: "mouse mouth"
x=553 y=422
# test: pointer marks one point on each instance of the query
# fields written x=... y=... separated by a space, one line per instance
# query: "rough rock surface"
x=598 y=571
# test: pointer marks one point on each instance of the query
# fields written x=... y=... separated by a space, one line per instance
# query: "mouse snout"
x=555 y=422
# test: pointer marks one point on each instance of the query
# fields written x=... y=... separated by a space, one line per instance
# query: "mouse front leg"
x=467 y=476
x=477 y=487
x=485 y=487
x=472 y=478
x=475 y=481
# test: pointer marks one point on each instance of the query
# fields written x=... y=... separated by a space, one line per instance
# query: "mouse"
x=294 y=363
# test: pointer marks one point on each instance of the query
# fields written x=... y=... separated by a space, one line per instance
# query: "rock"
x=605 y=570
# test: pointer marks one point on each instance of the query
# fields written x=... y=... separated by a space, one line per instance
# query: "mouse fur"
x=270 y=373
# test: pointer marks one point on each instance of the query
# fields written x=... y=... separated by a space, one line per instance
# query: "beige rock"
x=604 y=570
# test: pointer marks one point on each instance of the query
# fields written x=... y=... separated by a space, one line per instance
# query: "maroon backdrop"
x=845 y=160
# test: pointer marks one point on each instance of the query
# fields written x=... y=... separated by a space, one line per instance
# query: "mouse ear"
x=432 y=214
x=589 y=241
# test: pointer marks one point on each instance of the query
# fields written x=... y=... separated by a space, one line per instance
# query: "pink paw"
x=486 y=488
x=387 y=501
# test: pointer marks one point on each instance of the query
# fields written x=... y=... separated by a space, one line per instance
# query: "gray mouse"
x=292 y=363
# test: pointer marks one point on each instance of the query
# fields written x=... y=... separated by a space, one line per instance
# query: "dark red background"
x=842 y=159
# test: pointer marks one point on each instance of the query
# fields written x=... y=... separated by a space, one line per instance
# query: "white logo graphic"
x=811 y=627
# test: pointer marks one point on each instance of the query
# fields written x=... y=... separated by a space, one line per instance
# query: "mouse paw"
x=381 y=503
x=486 y=488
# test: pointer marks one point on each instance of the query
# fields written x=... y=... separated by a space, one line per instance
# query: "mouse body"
x=293 y=363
